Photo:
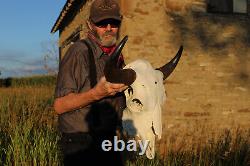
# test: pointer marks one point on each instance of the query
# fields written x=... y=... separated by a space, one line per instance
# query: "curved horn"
x=116 y=53
x=113 y=73
x=168 y=68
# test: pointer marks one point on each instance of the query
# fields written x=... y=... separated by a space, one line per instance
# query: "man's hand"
x=105 y=88
x=74 y=101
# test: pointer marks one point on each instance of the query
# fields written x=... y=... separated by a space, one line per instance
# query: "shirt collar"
x=97 y=45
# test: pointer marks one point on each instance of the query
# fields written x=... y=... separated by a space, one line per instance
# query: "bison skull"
x=144 y=97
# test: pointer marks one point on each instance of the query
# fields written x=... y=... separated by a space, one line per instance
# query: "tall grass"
x=28 y=133
x=28 y=136
x=230 y=148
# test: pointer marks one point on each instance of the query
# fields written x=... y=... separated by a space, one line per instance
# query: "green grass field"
x=28 y=136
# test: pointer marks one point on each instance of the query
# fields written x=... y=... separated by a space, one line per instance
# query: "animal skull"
x=144 y=97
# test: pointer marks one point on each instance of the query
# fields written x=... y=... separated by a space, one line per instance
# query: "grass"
x=230 y=148
x=28 y=136
x=224 y=150
x=39 y=80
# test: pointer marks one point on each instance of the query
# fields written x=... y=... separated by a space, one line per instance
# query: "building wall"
x=150 y=28
x=147 y=22
x=79 y=20
x=144 y=16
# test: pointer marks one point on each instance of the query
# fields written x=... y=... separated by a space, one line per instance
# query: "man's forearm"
x=74 y=101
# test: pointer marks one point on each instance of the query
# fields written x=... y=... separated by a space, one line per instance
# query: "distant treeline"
x=28 y=81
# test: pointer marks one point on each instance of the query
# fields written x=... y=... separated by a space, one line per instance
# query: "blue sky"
x=24 y=28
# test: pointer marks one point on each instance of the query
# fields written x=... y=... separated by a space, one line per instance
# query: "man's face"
x=107 y=31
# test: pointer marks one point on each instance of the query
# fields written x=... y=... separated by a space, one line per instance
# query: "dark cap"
x=104 y=9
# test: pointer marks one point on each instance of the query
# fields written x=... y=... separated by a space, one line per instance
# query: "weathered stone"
x=245 y=110
x=183 y=99
x=196 y=114
x=241 y=89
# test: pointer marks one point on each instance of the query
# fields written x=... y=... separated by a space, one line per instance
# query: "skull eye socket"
x=130 y=90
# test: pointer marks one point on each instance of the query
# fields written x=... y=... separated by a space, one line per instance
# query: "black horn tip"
x=168 y=68
x=180 y=49
x=125 y=38
x=119 y=48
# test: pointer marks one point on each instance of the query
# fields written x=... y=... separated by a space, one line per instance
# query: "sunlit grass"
x=229 y=148
x=28 y=136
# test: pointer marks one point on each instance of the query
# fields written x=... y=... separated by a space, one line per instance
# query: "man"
x=90 y=107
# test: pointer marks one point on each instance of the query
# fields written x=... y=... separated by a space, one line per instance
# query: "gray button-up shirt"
x=73 y=77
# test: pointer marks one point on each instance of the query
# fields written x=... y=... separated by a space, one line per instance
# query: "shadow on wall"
x=217 y=35
x=213 y=31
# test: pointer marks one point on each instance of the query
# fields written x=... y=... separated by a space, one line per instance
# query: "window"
x=227 y=6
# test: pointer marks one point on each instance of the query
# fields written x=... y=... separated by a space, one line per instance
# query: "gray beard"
x=107 y=43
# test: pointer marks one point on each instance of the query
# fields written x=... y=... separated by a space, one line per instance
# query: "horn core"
x=168 y=68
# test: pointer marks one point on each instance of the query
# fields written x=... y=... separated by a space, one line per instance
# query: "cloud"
x=14 y=66
x=25 y=71
x=17 y=63
x=16 y=58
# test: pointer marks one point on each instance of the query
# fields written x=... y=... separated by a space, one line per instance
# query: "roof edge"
x=62 y=15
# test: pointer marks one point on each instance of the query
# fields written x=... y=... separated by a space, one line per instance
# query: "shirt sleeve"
x=72 y=71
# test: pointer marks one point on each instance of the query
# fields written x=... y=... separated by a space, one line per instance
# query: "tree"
x=51 y=56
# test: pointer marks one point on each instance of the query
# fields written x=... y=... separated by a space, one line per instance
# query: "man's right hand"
x=105 y=88
x=74 y=101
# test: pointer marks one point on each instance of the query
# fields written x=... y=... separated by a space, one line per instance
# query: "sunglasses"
x=113 y=23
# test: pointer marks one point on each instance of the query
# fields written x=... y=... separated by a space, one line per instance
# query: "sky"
x=25 y=33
